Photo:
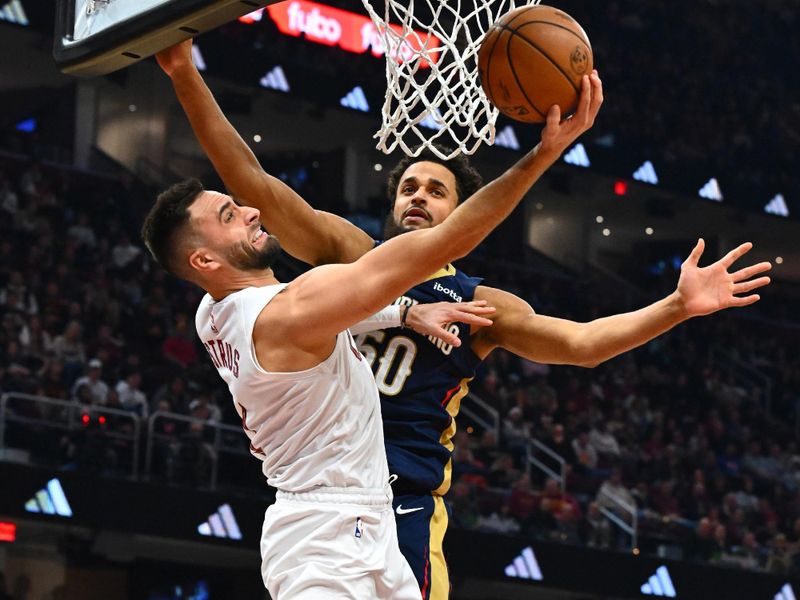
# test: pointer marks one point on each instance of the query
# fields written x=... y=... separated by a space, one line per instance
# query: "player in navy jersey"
x=422 y=382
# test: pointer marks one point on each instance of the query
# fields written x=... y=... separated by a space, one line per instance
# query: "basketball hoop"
x=433 y=91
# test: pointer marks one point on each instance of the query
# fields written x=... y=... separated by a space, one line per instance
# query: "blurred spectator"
x=779 y=558
x=172 y=396
x=612 y=493
x=204 y=407
x=553 y=499
x=558 y=442
x=499 y=521
x=584 y=452
x=467 y=469
x=603 y=441
x=68 y=348
x=16 y=295
x=597 y=528
x=131 y=398
x=179 y=345
x=82 y=232
x=516 y=432
x=125 y=252
x=97 y=388
x=523 y=500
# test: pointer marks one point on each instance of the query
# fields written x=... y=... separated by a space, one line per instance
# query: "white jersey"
x=315 y=428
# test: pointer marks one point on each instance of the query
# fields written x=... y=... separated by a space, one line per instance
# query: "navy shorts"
x=421 y=527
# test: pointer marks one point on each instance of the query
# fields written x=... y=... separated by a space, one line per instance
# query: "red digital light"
x=620 y=187
x=101 y=419
x=85 y=419
x=8 y=531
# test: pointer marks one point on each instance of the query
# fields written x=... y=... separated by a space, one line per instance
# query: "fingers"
x=448 y=338
x=582 y=115
x=748 y=272
x=735 y=254
x=745 y=300
x=597 y=95
x=476 y=307
x=697 y=252
x=553 y=116
x=747 y=286
x=472 y=319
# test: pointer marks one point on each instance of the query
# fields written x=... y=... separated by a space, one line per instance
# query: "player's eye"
x=229 y=217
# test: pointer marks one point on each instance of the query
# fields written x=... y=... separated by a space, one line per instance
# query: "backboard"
x=95 y=37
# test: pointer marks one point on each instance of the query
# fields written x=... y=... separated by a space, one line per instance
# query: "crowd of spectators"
x=85 y=318
x=672 y=430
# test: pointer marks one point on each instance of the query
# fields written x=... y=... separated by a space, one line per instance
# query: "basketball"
x=532 y=58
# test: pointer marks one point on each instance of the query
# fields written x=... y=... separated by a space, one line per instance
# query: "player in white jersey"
x=318 y=434
x=306 y=395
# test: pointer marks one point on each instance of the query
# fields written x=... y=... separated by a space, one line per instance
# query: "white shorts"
x=334 y=544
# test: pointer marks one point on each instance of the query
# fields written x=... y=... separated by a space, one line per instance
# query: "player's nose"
x=252 y=215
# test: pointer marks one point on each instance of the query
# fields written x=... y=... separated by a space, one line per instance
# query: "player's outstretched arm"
x=700 y=291
x=329 y=299
x=315 y=237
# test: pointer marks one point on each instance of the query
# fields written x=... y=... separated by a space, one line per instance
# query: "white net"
x=433 y=93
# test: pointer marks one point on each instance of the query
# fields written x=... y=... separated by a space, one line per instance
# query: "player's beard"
x=247 y=258
x=392 y=228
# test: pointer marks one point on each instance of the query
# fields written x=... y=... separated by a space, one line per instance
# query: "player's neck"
x=239 y=281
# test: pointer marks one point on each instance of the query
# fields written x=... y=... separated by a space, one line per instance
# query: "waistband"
x=334 y=495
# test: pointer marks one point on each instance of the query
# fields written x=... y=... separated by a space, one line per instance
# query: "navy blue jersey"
x=421 y=382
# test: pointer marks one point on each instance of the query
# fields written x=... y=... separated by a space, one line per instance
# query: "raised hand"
x=709 y=289
x=173 y=58
x=557 y=134
x=433 y=319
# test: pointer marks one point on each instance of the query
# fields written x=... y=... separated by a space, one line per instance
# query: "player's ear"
x=203 y=260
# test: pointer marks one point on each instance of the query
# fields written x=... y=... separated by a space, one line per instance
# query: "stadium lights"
x=777 y=206
x=8 y=531
x=711 y=191
x=27 y=126
x=577 y=156
x=275 y=80
x=506 y=138
x=197 y=58
x=13 y=12
x=646 y=173
x=525 y=566
x=355 y=99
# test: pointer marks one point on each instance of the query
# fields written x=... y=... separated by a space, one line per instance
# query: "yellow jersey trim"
x=446 y=439
x=448 y=271
x=440 y=582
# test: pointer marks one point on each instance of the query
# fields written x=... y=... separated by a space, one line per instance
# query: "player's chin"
x=415 y=224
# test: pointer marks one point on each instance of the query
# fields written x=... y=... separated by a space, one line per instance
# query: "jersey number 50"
x=395 y=363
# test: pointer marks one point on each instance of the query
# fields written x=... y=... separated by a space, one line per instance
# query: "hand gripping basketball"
x=557 y=134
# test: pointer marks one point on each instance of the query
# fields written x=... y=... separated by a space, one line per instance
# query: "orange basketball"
x=532 y=58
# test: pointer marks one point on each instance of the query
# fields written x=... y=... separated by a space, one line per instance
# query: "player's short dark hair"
x=168 y=221
x=468 y=180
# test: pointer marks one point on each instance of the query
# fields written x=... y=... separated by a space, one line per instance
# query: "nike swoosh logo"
x=405 y=511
